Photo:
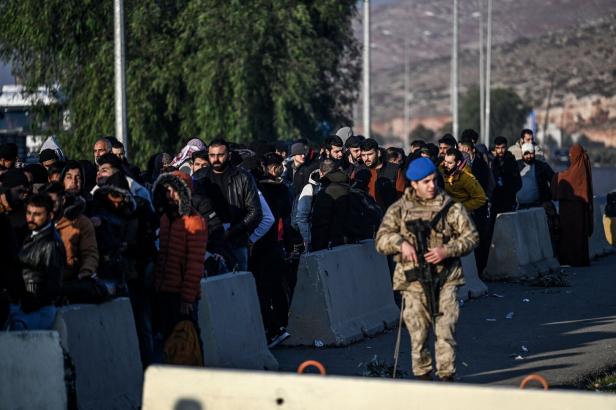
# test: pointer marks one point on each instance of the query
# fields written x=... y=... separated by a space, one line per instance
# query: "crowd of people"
x=88 y=230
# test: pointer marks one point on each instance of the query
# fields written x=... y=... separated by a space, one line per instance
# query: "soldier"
x=451 y=236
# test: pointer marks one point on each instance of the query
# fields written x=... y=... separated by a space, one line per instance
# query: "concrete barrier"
x=598 y=244
x=342 y=295
x=521 y=248
x=231 y=323
x=474 y=287
x=102 y=341
x=32 y=371
x=184 y=388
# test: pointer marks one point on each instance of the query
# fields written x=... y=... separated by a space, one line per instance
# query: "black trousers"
x=269 y=268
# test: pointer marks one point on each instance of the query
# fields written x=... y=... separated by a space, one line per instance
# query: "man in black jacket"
x=235 y=197
x=330 y=210
x=42 y=260
x=506 y=177
x=267 y=258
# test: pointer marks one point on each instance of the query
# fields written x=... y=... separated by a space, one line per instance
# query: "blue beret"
x=420 y=168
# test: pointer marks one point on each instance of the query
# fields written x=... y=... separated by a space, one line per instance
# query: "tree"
x=420 y=132
x=258 y=70
x=507 y=112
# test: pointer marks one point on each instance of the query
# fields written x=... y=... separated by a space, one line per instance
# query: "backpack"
x=294 y=206
x=182 y=346
x=362 y=216
x=610 y=206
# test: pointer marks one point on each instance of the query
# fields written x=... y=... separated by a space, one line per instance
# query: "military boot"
x=424 y=377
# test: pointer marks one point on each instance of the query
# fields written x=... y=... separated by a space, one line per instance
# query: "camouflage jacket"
x=455 y=231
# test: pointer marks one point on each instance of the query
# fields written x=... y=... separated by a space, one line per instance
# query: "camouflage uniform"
x=457 y=233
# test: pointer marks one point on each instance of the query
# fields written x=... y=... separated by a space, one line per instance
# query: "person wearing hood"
x=52 y=144
x=112 y=214
x=183 y=158
x=179 y=266
x=108 y=165
x=48 y=158
x=301 y=214
x=572 y=188
x=76 y=231
x=267 y=260
x=330 y=209
x=15 y=190
x=460 y=183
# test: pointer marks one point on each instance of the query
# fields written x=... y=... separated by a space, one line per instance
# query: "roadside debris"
x=525 y=300
x=496 y=295
x=490 y=319
x=381 y=368
x=509 y=315
x=318 y=343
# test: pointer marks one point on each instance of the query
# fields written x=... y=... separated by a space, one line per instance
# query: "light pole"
x=482 y=75
x=366 y=68
x=454 y=71
x=486 y=140
x=120 y=79
x=407 y=109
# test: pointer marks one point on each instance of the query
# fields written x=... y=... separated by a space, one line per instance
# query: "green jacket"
x=463 y=187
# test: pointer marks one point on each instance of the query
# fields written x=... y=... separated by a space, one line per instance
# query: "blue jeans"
x=41 y=319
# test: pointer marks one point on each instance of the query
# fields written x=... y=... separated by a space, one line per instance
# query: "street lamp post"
x=366 y=68
x=454 y=71
x=120 y=79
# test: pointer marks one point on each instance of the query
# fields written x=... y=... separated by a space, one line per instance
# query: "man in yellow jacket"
x=460 y=183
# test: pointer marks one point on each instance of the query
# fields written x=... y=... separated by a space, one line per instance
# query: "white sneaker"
x=279 y=338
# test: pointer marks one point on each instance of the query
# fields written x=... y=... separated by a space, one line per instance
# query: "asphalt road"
x=561 y=333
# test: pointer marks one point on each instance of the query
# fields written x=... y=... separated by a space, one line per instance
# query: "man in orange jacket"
x=179 y=266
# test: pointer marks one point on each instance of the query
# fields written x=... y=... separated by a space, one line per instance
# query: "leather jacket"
x=242 y=198
x=43 y=260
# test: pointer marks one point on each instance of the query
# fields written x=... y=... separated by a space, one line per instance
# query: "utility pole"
x=120 y=78
x=407 y=109
x=367 y=68
x=454 y=71
x=488 y=73
x=482 y=76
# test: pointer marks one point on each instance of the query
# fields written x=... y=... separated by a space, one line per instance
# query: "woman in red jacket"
x=179 y=266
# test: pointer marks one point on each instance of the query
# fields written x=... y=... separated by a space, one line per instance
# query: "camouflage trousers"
x=418 y=321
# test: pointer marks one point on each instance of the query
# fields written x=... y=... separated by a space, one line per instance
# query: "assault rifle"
x=425 y=272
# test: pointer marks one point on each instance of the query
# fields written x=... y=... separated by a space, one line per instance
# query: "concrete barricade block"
x=474 y=287
x=102 y=341
x=231 y=324
x=342 y=295
x=521 y=248
x=189 y=388
x=32 y=371
x=598 y=244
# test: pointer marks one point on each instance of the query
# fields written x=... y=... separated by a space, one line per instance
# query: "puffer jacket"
x=241 y=197
x=455 y=231
x=183 y=240
x=116 y=233
x=79 y=238
x=43 y=260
